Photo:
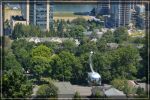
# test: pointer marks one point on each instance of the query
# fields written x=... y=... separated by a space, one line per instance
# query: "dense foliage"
x=15 y=83
x=47 y=91
x=77 y=96
x=68 y=61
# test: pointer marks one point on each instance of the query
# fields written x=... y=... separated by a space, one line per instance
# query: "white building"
x=17 y=19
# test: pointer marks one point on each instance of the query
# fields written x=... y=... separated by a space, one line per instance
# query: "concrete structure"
x=103 y=7
x=65 y=89
x=107 y=91
x=112 y=45
x=114 y=93
x=25 y=10
x=120 y=14
x=17 y=19
x=38 y=13
x=84 y=91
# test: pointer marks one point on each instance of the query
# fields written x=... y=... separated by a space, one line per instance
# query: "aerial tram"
x=94 y=78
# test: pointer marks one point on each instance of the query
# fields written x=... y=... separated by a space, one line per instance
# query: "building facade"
x=103 y=7
x=38 y=13
x=121 y=14
x=17 y=19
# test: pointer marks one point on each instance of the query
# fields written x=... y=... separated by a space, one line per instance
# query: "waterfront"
x=66 y=7
x=73 y=7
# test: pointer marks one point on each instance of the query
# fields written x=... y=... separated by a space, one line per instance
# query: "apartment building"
x=38 y=13
x=121 y=14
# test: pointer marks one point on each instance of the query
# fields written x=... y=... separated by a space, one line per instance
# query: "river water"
x=73 y=7
x=66 y=7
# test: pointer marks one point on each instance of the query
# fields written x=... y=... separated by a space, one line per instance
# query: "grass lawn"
x=137 y=33
x=64 y=14
x=68 y=16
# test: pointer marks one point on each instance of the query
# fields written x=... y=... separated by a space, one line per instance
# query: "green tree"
x=77 y=31
x=108 y=36
x=53 y=45
x=120 y=34
x=40 y=57
x=140 y=91
x=15 y=83
x=98 y=94
x=21 y=31
x=21 y=48
x=69 y=45
x=42 y=51
x=24 y=58
x=92 y=26
x=66 y=66
x=123 y=85
x=80 y=21
x=145 y=53
x=84 y=59
x=124 y=62
x=119 y=83
x=77 y=96
x=17 y=31
x=101 y=45
x=60 y=28
x=41 y=67
x=87 y=47
x=35 y=31
x=102 y=64
x=47 y=91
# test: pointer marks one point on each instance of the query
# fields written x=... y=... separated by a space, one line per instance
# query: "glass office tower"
x=38 y=13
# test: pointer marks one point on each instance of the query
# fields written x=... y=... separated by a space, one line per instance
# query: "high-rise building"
x=38 y=13
x=140 y=16
x=120 y=14
x=103 y=7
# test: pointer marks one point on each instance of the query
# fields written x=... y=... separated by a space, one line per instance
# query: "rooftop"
x=65 y=89
x=114 y=92
x=18 y=18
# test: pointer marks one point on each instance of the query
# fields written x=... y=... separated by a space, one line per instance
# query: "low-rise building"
x=17 y=19
x=65 y=90
x=137 y=84
x=114 y=93
x=51 y=39
x=112 y=45
x=108 y=91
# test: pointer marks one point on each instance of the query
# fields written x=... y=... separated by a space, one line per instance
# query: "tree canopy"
x=15 y=82
x=47 y=91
